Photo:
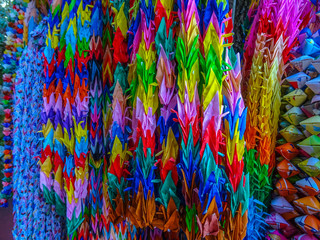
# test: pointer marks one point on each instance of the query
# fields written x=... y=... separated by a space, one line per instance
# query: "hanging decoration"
x=297 y=162
x=14 y=47
x=144 y=94
x=118 y=171
x=188 y=105
x=152 y=127
x=272 y=35
x=33 y=217
x=168 y=202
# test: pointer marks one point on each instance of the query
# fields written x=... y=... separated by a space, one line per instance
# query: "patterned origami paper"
x=288 y=150
x=301 y=63
x=309 y=224
x=291 y=133
x=298 y=80
x=281 y=205
x=33 y=217
x=285 y=187
x=314 y=85
x=286 y=169
x=11 y=56
x=312 y=125
x=311 y=145
x=309 y=186
x=276 y=221
x=308 y=205
x=311 y=166
x=294 y=115
x=296 y=97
